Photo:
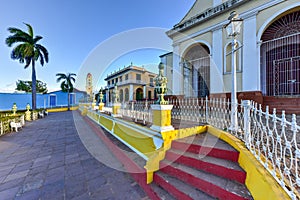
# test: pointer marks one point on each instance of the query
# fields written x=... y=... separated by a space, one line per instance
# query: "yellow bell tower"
x=89 y=86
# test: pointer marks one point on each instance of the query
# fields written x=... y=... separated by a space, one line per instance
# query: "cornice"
x=244 y=15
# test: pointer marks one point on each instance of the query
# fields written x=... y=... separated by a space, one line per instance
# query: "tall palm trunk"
x=68 y=100
x=33 y=85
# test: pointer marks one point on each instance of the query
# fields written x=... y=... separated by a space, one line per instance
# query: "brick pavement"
x=47 y=160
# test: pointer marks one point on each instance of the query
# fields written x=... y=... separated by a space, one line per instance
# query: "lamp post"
x=233 y=29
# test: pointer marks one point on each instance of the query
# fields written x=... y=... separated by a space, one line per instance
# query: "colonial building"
x=133 y=83
x=268 y=56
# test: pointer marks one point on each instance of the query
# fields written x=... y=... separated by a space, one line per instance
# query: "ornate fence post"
x=94 y=104
x=247 y=132
x=161 y=118
x=161 y=110
x=101 y=104
x=14 y=108
x=28 y=113
x=116 y=105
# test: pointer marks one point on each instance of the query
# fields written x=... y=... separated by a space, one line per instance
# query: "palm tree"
x=28 y=51
x=66 y=83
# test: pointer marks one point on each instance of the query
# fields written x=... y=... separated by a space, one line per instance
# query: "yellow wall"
x=227 y=82
x=205 y=39
x=61 y=109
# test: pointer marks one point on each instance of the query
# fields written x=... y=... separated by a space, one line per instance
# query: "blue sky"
x=71 y=29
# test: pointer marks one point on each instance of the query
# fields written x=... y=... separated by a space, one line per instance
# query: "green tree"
x=27 y=51
x=26 y=86
x=66 y=83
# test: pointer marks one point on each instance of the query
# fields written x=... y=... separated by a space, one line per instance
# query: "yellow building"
x=268 y=59
x=134 y=83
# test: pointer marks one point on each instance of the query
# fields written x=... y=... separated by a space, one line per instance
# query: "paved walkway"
x=47 y=160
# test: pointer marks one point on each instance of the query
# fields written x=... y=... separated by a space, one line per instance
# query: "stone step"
x=210 y=184
x=220 y=167
x=178 y=188
x=160 y=192
x=206 y=144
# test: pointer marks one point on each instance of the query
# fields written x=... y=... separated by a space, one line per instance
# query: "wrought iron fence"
x=275 y=142
x=272 y=139
x=137 y=111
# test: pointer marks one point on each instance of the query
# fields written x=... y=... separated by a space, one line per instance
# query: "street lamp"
x=233 y=28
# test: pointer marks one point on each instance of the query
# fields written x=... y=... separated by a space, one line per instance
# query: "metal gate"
x=280 y=66
x=286 y=76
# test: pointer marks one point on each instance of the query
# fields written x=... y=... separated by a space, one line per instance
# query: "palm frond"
x=17 y=53
x=44 y=51
x=63 y=87
x=19 y=32
x=29 y=51
x=37 y=38
x=67 y=79
x=72 y=74
x=60 y=77
x=41 y=57
x=14 y=30
x=28 y=62
x=60 y=74
x=15 y=39
x=73 y=79
x=30 y=29
x=36 y=54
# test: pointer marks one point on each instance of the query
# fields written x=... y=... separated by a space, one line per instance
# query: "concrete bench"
x=41 y=114
x=15 y=125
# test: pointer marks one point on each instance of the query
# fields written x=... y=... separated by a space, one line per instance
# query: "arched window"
x=228 y=58
x=126 y=94
x=121 y=95
x=280 y=56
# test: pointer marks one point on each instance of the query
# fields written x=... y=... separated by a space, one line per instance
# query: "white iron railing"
x=273 y=140
x=137 y=111
x=107 y=109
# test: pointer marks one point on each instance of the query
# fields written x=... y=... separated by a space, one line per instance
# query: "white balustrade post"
x=247 y=132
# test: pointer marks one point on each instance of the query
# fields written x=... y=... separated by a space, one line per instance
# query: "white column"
x=144 y=92
x=251 y=67
x=131 y=92
x=107 y=97
x=187 y=81
x=216 y=64
x=177 y=73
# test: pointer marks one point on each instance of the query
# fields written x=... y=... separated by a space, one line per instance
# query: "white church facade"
x=268 y=55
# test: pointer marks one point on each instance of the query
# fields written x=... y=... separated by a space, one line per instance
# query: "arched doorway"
x=196 y=71
x=139 y=94
x=149 y=95
x=280 y=56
